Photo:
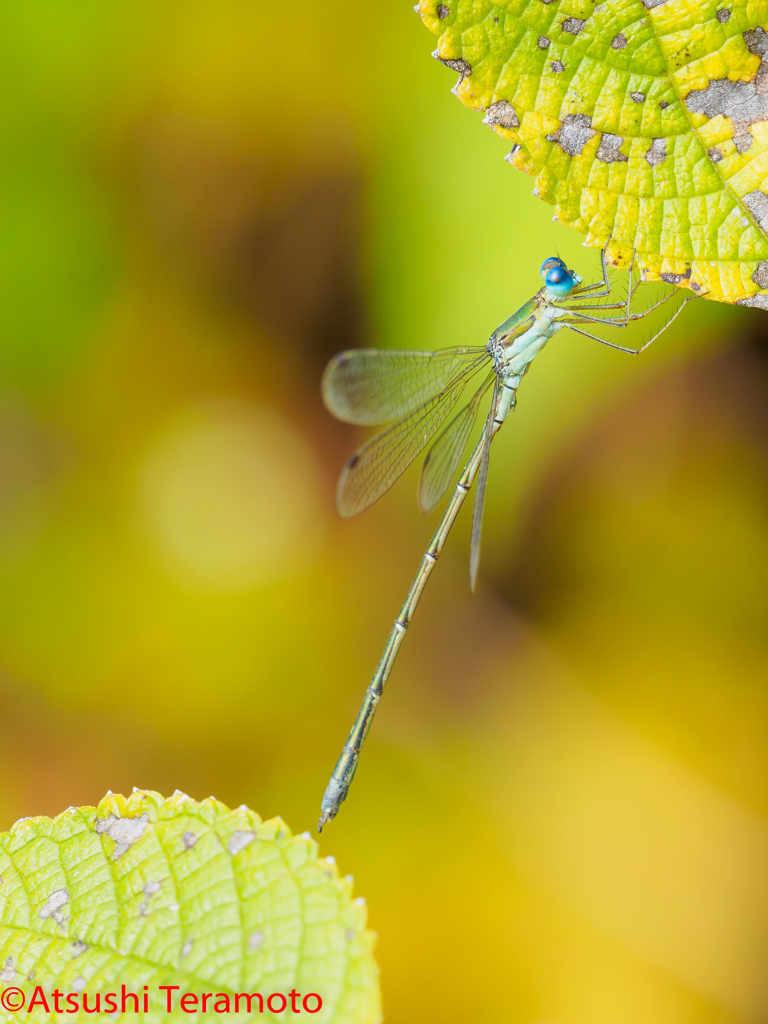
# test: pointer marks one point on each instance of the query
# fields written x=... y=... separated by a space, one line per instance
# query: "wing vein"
x=375 y=467
x=370 y=386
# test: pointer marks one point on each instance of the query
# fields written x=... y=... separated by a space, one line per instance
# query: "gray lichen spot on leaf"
x=638 y=97
x=573 y=25
x=609 y=150
x=756 y=41
x=255 y=941
x=760 y=301
x=149 y=890
x=124 y=831
x=676 y=278
x=723 y=15
x=501 y=113
x=743 y=103
x=78 y=948
x=574 y=133
x=187 y=948
x=513 y=153
x=463 y=67
x=715 y=155
x=188 y=840
x=239 y=840
x=52 y=906
x=663 y=104
x=442 y=11
x=619 y=41
x=542 y=42
x=8 y=972
x=648 y=4
x=757 y=204
x=657 y=152
x=760 y=276
x=557 y=66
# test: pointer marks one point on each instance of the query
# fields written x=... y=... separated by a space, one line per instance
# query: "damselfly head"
x=550 y=264
x=560 y=281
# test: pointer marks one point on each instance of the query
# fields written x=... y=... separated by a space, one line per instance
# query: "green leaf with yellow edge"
x=151 y=892
x=645 y=123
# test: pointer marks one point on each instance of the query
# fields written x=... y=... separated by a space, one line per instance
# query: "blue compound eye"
x=550 y=264
x=559 y=281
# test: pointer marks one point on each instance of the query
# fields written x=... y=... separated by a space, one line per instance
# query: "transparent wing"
x=377 y=465
x=444 y=457
x=369 y=386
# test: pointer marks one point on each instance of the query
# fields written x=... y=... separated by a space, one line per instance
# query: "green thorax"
x=516 y=324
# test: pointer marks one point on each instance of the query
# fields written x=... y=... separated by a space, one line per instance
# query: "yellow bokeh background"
x=561 y=815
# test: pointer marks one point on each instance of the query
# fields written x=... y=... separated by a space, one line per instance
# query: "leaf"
x=645 y=123
x=147 y=891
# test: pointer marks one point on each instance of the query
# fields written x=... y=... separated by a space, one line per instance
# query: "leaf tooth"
x=274 y=828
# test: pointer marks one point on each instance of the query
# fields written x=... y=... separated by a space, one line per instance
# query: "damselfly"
x=420 y=390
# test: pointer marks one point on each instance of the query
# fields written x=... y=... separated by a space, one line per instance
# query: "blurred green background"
x=561 y=816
